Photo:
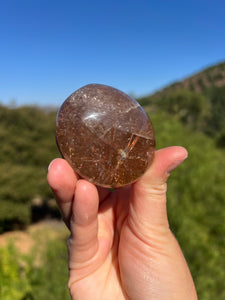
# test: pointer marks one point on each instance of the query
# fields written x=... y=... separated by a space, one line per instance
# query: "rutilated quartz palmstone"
x=105 y=135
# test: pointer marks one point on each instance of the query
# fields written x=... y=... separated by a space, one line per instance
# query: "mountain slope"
x=213 y=76
x=198 y=101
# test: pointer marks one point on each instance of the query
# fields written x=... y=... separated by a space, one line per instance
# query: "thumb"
x=148 y=205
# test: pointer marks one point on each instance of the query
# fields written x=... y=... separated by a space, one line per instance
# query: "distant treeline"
x=27 y=136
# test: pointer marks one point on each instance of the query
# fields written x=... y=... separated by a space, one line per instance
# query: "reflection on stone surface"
x=105 y=135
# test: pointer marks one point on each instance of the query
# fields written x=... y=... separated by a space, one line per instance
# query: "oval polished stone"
x=105 y=135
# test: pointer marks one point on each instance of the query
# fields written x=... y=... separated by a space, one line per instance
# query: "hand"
x=121 y=246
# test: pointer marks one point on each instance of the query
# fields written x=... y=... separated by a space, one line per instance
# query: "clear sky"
x=50 y=48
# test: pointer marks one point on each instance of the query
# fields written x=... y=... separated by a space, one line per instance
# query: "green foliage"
x=216 y=123
x=27 y=137
x=190 y=107
x=18 y=213
x=49 y=281
x=204 y=112
x=196 y=201
x=220 y=141
x=25 y=133
x=28 y=278
x=14 y=283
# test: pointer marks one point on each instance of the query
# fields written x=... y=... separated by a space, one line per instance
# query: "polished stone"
x=105 y=135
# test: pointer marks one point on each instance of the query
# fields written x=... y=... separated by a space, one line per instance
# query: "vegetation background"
x=190 y=113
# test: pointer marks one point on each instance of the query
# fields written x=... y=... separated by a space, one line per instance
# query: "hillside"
x=213 y=76
x=198 y=101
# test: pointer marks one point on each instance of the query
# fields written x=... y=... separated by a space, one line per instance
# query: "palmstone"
x=105 y=135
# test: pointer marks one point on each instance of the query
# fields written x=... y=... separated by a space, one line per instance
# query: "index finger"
x=62 y=179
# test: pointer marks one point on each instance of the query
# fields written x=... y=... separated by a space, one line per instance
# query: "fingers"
x=148 y=205
x=83 y=243
x=78 y=201
x=91 y=232
x=62 y=181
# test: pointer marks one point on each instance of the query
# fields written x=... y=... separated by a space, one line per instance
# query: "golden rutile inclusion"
x=105 y=135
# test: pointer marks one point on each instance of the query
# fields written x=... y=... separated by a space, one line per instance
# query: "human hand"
x=121 y=246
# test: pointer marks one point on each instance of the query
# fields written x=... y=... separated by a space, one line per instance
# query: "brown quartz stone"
x=105 y=135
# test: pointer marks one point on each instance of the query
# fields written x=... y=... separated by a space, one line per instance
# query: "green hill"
x=198 y=102
x=213 y=76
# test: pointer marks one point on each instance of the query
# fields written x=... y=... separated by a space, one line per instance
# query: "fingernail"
x=51 y=164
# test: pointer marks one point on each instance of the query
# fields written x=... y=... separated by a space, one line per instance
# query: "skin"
x=121 y=246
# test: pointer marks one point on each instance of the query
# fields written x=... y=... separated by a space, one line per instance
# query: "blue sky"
x=48 y=49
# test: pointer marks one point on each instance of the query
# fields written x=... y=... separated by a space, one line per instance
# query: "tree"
x=190 y=107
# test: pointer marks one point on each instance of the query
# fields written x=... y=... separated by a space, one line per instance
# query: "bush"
x=49 y=280
x=190 y=108
x=41 y=275
x=14 y=282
